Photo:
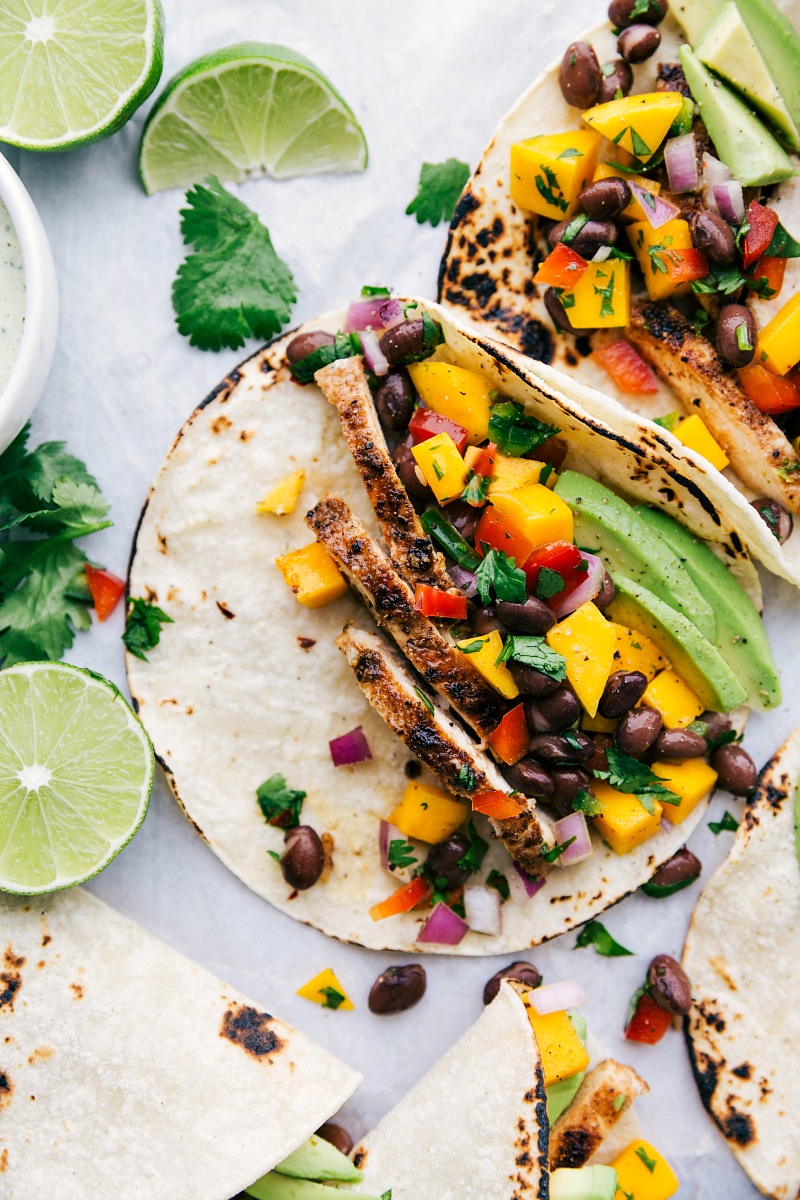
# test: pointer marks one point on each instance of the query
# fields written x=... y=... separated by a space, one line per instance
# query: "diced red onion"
x=482 y=908
x=557 y=997
x=388 y=834
x=350 y=748
x=729 y=200
x=466 y=580
x=391 y=313
x=586 y=590
x=656 y=209
x=680 y=156
x=374 y=357
x=714 y=171
x=365 y=314
x=532 y=886
x=443 y=927
x=574 y=826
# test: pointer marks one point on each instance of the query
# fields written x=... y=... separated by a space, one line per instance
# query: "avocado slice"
x=561 y=1094
x=694 y=658
x=729 y=49
x=610 y=528
x=318 y=1159
x=584 y=1183
x=280 y=1187
x=694 y=15
x=741 y=139
x=741 y=638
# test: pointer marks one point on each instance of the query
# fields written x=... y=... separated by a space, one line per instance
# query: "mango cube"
x=637 y=124
x=427 y=813
x=548 y=172
x=643 y=1173
x=563 y=1053
x=538 y=514
x=312 y=575
x=694 y=433
x=674 y=699
x=483 y=654
x=635 y=652
x=689 y=778
x=463 y=396
x=513 y=473
x=634 y=211
x=283 y=498
x=778 y=347
x=326 y=990
x=443 y=467
x=656 y=251
x=586 y=641
x=602 y=297
x=624 y=823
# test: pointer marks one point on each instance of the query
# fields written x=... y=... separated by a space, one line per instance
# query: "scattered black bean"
x=306 y=343
x=778 y=520
x=303 y=859
x=394 y=400
x=682 y=866
x=396 y=989
x=580 y=75
x=620 y=12
x=607 y=592
x=555 y=748
x=619 y=80
x=532 y=617
x=485 y=620
x=669 y=985
x=589 y=238
x=406 y=467
x=623 y=690
x=530 y=681
x=736 y=335
x=443 y=862
x=337 y=1136
x=735 y=769
x=407 y=338
x=638 y=42
x=529 y=777
x=679 y=743
x=605 y=199
x=524 y=972
x=567 y=782
x=637 y=731
x=551 y=714
x=714 y=236
x=716 y=722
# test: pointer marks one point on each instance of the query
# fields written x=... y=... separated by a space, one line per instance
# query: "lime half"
x=76 y=770
x=72 y=71
x=251 y=109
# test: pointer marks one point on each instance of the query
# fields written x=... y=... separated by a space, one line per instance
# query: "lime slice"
x=250 y=109
x=75 y=70
x=76 y=769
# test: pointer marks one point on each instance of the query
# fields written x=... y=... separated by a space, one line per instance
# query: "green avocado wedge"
x=608 y=526
x=280 y=1187
x=692 y=656
x=741 y=638
x=318 y=1159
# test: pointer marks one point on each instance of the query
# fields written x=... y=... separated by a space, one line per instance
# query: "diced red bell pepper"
x=511 y=738
x=106 y=590
x=563 y=557
x=562 y=269
x=497 y=805
x=771 y=394
x=763 y=222
x=771 y=269
x=627 y=368
x=425 y=423
x=649 y=1023
x=685 y=265
x=403 y=900
x=497 y=532
x=484 y=463
x=434 y=602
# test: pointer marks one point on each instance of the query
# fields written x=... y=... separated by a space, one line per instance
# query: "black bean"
x=558 y=314
x=669 y=985
x=531 y=617
x=716 y=722
x=463 y=517
x=337 y=1136
x=605 y=199
x=529 y=777
x=406 y=467
x=736 y=335
x=443 y=861
x=638 y=42
x=681 y=867
x=567 y=782
x=551 y=714
x=618 y=79
x=303 y=859
x=394 y=400
x=679 y=743
x=735 y=769
x=607 y=592
x=637 y=731
x=396 y=989
x=621 y=12
x=306 y=343
x=589 y=238
x=524 y=972
x=555 y=748
x=599 y=759
x=530 y=681
x=623 y=690
x=713 y=236
x=580 y=75
x=485 y=620
x=403 y=341
x=777 y=519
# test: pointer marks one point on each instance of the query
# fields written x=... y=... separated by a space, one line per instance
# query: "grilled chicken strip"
x=391 y=602
x=410 y=548
x=588 y=1120
x=760 y=453
x=440 y=742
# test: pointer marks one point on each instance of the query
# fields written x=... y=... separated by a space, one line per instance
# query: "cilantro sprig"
x=628 y=775
x=143 y=626
x=514 y=432
x=280 y=804
x=534 y=652
x=500 y=574
x=595 y=934
x=728 y=824
x=440 y=185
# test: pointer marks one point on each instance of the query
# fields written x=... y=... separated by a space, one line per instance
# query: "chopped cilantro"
x=142 y=626
x=344 y=345
x=573 y=229
x=723 y=739
x=595 y=934
x=628 y=775
x=607 y=294
x=387 y=1195
x=788 y=468
x=477 y=489
x=642 y=8
x=281 y=805
x=474 y=647
x=549 y=583
x=550 y=189
x=728 y=824
x=669 y=421
x=274 y=854
x=633 y=1004
x=534 y=652
x=367 y=290
x=437 y=470
x=440 y=185
x=516 y=433
x=333 y=999
x=500 y=574
x=571 y=152
x=401 y=854
x=640 y=146
x=727 y=280
x=466 y=777
x=472 y=859
x=426 y=700
x=497 y=880
x=555 y=852
x=649 y=1162
x=586 y=803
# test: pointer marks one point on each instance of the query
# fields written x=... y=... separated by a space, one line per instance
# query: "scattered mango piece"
x=427 y=813
x=484 y=659
x=282 y=499
x=778 y=347
x=642 y=1172
x=635 y=652
x=548 y=172
x=624 y=823
x=563 y=1053
x=463 y=396
x=602 y=297
x=694 y=433
x=586 y=640
x=326 y=990
x=689 y=778
x=312 y=575
x=637 y=124
x=443 y=467
x=539 y=515
x=674 y=699
x=663 y=254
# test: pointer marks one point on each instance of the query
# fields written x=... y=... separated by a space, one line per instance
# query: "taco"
x=674 y=289
x=448 y=784
x=740 y=955
x=127 y=1070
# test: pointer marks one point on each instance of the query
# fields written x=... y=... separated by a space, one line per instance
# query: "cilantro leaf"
x=595 y=934
x=556 y=851
x=586 y=803
x=370 y=290
x=400 y=854
x=649 y=1162
x=280 y=804
x=723 y=739
x=472 y=859
x=549 y=583
x=28 y=479
x=628 y=775
x=516 y=433
x=728 y=824
x=143 y=626
x=333 y=999
x=233 y=286
x=535 y=652
x=500 y=574
x=466 y=777
x=495 y=879
x=440 y=185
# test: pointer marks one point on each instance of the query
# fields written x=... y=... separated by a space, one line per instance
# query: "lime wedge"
x=250 y=109
x=75 y=70
x=76 y=770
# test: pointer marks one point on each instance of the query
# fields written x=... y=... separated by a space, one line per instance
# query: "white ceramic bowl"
x=29 y=372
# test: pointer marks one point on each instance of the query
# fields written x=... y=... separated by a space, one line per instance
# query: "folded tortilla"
x=486 y=275
x=741 y=957
x=128 y=1071
x=246 y=683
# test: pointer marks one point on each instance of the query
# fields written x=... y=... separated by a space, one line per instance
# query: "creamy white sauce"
x=12 y=296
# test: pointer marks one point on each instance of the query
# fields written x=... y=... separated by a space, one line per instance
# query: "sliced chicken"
x=760 y=453
x=440 y=742
x=596 y=1108
x=391 y=601
x=410 y=548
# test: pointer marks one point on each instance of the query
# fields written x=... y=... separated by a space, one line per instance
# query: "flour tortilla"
x=127 y=1071
x=486 y=271
x=230 y=696
x=741 y=957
